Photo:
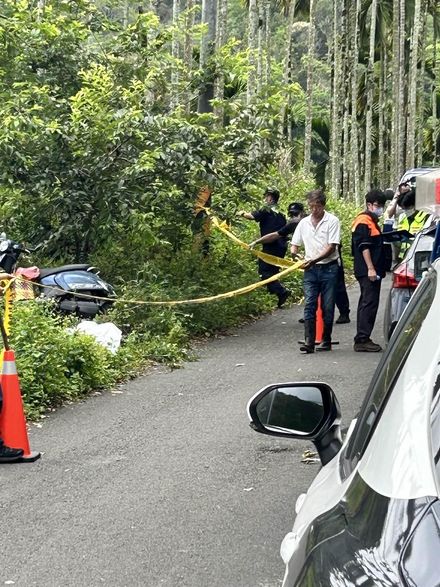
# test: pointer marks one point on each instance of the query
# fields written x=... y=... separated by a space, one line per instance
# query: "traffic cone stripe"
x=9 y=368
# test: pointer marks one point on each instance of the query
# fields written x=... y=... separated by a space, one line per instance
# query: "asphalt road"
x=162 y=482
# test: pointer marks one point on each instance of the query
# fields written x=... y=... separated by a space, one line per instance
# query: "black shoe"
x=307 y=349
x=283 y=297
x=367 y=347
x=9 y=455
x=343 y=319
x=301 y=320
x=325 y=345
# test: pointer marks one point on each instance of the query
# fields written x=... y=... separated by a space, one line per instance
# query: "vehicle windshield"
x=388 y=371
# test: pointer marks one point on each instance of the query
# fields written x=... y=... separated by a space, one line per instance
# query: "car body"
x=371 y=517
x=406 y=276
x=410 y=174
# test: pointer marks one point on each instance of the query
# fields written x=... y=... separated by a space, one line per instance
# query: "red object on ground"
x=13 y=429
x=319 y=323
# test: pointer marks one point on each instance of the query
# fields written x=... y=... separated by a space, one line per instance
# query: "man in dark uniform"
x=369 y=268
x=295 y=212
x=270 y=220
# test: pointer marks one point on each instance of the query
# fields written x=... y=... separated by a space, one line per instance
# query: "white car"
x=372 y=515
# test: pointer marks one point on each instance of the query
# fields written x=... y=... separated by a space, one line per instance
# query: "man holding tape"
x=319 y=234
x=270 y=220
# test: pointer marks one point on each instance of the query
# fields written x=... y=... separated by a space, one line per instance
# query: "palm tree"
x=209 y=18
x=220 y=40
x=354 y=134
x=413 y=84
x=370 y=96
x=336 y=101
x=252 y=47
x=175 y=51
x=309 y=111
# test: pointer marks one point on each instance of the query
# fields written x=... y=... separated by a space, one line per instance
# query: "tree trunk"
x=395 y=113
x=287 y=74
x=370 y=97
x=382 y=169
x=346 y=160
x=208 y=18
x=354 y=142
x=260 y=51
x=420 y=116
x=175 y=51
x=412 y=91
x=220 y=40
x=252 y=46
x=402 y=105
x=309 y=112
x=188 y=52
x=267 y=42
x=337 y=100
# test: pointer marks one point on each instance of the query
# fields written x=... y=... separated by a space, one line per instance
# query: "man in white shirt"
x=320 y=235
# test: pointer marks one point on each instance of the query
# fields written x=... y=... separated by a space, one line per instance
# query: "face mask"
x=378 y=212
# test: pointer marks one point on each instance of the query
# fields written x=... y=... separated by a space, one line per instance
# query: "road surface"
x=161 y=483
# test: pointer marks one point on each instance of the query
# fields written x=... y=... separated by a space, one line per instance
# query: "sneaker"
x=367 y=347
x=9 y=455
x=343 y=319
x=283 y=297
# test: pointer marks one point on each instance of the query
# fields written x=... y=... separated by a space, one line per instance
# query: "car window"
x=387 y=372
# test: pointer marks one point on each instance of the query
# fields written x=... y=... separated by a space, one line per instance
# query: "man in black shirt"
x=270 y=220
x=369 y=268
x=296 y=213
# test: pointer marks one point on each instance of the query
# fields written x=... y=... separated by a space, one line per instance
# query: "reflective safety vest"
x=413 y=224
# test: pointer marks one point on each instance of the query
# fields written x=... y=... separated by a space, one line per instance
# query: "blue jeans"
x=321 y=280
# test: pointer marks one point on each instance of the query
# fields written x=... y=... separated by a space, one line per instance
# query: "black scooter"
x=70 y=279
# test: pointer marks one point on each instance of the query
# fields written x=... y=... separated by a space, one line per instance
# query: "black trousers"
x=341 y=297
x=265 y=270
x=367 y=308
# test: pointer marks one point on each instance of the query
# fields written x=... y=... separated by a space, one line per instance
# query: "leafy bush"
x=54 y=367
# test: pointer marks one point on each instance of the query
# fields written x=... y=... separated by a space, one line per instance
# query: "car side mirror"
x=302 y=410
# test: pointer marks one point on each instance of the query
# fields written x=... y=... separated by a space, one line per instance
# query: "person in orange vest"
x=369 y=268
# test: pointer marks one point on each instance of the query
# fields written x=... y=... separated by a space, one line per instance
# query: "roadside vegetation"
x=114 y=115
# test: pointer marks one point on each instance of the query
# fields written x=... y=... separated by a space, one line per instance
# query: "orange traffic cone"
x=319 y=323
x=12 y=421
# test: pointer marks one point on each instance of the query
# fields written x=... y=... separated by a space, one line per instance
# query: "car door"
x=360 y=540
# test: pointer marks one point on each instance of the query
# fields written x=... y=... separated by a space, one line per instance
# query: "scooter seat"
x=54 y=270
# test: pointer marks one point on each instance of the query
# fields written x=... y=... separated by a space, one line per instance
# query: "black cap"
x=295 y=208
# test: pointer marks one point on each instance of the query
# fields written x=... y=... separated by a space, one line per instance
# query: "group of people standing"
x=319 y=234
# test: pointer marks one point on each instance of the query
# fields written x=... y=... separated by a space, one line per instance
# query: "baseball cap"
x=295 y=208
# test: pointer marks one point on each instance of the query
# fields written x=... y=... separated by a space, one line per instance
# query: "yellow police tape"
x=286 y=264
x=271 y=259
x=228 y=294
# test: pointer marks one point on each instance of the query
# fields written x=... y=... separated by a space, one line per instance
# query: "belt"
x=335 y=262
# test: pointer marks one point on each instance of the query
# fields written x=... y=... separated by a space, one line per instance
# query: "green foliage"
x=98 y=165
x=54 y=367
